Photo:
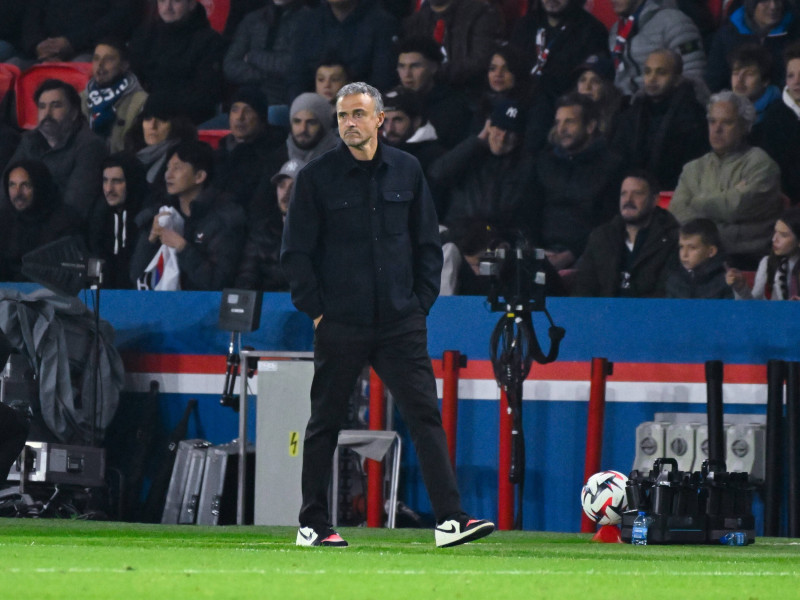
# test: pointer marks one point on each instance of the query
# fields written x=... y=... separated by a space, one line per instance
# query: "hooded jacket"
x=183 y=58
x=113 y=231
x=45 y=221
x=739 y=30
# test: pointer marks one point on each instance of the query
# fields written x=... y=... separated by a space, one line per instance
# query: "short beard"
x=55 y=132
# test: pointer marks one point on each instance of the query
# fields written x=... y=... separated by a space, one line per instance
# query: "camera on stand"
x=519 y=278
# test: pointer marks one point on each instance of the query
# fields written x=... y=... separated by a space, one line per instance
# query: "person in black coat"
x=665 y=126
x=631 y=255
x=359 y=31
x=54 y=30
x=577 y=182
x=780 y=130
x=33 y=215
x=558 y=36
x=112 y=226
x=210 y=246
x=253 y=147
x=487 y=177
x=701 y=271
x=179 y=53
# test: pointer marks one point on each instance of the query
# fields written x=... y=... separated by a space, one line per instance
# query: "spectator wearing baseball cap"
x=487 y=177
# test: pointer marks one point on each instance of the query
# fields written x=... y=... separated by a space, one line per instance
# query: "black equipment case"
x=689 y=508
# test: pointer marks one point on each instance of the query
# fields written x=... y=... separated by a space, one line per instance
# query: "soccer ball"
x=603 y=497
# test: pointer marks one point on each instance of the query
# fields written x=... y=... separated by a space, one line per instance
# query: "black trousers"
x=399 y=354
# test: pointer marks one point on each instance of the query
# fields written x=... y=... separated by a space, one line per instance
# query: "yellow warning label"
x=294 y=442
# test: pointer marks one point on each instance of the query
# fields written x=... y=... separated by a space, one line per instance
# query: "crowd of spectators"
x=658 y=156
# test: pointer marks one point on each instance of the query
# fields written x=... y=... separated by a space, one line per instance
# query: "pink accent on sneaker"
x=333 y=538
x=471 y=521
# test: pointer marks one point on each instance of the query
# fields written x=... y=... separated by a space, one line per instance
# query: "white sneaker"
x=460 y=530
x=308 y=536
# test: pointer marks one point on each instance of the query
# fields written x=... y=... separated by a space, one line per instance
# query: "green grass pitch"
x=84 y=560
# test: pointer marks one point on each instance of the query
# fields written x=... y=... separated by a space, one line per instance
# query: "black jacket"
x=45 y=221
x=184 y=58
x=662 y=137
x=600 y=267
x=706 y=281
x=474 y=184
x=215 y=234
x=363 y=41
x=362 y=248
x=779 y=133
x=260 y=268
x=82 y=22
x=238 y=168
x=575 y=194
x=579 y=36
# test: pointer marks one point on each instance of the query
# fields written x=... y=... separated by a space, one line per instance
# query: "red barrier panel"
x=505 y=489
x=451 y=364
x=601 y=369
x=377 y=410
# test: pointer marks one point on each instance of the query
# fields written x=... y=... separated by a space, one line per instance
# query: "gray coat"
x=75 y=164
x=660 y=25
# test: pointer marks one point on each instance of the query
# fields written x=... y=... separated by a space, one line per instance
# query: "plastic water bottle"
x=640 y=526
x=734 y=538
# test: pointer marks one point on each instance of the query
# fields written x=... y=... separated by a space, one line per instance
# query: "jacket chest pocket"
x=395 y=210
x=346 y=216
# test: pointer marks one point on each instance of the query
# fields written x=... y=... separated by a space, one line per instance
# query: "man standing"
x=113 y=97
x=63 y=141
x=735 y=185
x=362 y=255
x=630 y=255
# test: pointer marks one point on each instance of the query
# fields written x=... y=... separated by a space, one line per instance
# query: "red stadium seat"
x=664 y=199
x=603 y=10
x=749 y=278
x=212 y=137
x=74 y=73
x=217 y=11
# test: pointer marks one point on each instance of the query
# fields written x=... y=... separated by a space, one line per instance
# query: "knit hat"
x=289 y=169
x=508 y=115
x=254 y=98
x=317 y=105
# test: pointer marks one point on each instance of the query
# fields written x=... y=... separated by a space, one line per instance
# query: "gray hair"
x=743 y=106
x=359 y=87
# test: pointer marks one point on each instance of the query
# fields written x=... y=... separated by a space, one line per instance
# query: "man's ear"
x=712 y=251
x=591 y=126
x=200 y=176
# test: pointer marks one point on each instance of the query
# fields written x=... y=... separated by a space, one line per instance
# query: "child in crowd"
x=778 y=274
x=701 y=273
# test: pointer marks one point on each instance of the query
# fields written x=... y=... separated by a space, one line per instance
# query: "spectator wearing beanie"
x=311 y=120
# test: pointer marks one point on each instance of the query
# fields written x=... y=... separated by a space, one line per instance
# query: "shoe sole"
x=475 y=534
